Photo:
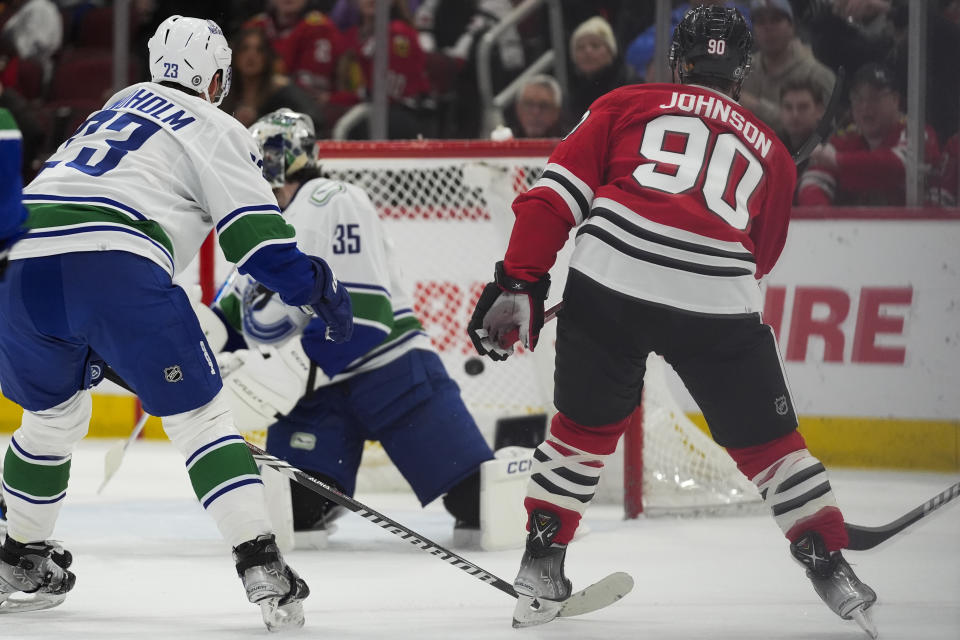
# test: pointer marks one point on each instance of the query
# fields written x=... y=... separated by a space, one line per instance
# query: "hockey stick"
x=863 y=538
x=114 y=456
x=596 y=596
x=825 y=126
x=379 y=519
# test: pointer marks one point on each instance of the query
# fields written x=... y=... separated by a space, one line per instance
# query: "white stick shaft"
x=114 y=456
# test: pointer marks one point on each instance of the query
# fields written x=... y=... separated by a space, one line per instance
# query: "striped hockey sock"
x=795 y=486
x=566 y=470
x=37 y=466
x=34 y=487
x=224 y=476
x=564 y=482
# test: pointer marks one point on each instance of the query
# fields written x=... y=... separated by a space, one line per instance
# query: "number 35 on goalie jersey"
x=682 y=196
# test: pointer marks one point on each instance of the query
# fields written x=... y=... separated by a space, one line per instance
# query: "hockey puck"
x=473 y=366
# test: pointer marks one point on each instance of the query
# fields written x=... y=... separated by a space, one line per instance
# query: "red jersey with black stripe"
x=681 y=196
x=308 y=50
x=406 y=70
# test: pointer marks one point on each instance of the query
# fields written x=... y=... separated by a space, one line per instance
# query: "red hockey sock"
x=567 y=469
x=795 y=486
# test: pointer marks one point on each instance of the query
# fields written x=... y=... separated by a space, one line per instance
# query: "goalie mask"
x=288 y=143
x=712 y=44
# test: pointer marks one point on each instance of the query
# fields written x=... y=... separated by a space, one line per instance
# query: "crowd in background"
x=316 y=56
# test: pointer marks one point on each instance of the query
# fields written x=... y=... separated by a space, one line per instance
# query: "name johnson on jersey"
x=716 y=109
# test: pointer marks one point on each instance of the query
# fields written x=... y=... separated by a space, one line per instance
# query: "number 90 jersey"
x=682 y=197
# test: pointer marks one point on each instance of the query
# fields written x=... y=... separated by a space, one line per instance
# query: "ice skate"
x=835 y=582
x=541 y=584
x=271 y=583
x=33 y=576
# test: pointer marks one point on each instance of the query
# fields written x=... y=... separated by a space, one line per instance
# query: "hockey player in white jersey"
x=321 y=401
x=118 y=210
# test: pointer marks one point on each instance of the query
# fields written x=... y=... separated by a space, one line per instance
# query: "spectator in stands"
x=408 y=88
x=597 y=66
x=257 y=89
x=538 y=108
x=449 y=32
x=848 y=33
x=308 y=44
x=640 y=51
x=454 y=27
x=865 y=163
x=941 y=81
x=32 y=30
x=779 y=57
x=802 y=102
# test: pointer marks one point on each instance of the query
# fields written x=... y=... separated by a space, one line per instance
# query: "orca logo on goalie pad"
x=305 y=441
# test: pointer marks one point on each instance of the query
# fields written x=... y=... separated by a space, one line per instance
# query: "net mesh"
x=446 y=209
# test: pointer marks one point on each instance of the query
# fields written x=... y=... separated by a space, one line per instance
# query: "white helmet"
x=189 y=52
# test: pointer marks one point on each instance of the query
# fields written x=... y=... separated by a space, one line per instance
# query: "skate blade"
x=279 y=617
x=19 y=602
x=530 y=611
x=864 y=618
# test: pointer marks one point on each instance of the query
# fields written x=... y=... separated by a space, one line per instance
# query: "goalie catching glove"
x=266 y=383
x=508 y=309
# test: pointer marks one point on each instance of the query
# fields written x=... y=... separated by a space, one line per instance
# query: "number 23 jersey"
x=681 y=195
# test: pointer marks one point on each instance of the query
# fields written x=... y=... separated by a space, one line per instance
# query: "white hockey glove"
x=266 y=383
x=508 y=310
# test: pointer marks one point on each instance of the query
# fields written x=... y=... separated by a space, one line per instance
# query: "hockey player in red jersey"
x=681 y=200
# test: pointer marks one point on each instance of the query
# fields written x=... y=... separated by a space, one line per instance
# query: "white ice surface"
x=150 y=565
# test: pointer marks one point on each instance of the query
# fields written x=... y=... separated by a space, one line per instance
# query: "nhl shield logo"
x=173 y=374
x=780 y=404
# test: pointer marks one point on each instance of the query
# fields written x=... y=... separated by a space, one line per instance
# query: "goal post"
x=446 y=207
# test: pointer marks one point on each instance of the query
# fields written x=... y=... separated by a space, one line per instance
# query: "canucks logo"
x=266 y=319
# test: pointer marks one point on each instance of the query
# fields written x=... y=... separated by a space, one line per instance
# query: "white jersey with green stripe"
x=337 y=220
x=152 y=173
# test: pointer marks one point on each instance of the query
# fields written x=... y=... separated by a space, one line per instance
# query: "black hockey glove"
x=508 y=309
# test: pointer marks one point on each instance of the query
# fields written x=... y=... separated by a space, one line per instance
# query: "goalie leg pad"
x=222 y=471
x=503 y=480
x=414 y=409
x=795 y=486
x=37 y=466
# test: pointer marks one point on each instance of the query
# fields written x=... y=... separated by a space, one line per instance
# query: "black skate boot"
x=541 y=584
x=835 y=582
x=33 y=576
x=270 y=583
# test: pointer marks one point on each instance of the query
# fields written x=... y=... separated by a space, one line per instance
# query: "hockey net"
x=446 y=207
